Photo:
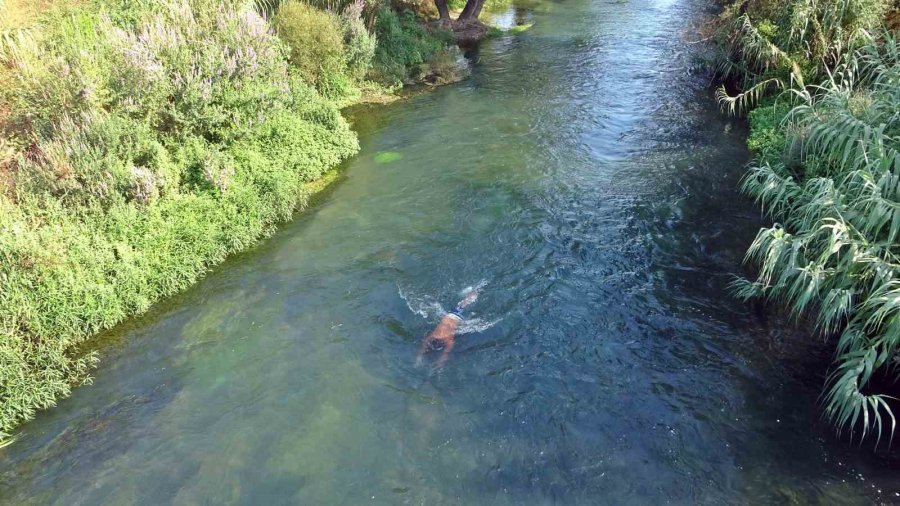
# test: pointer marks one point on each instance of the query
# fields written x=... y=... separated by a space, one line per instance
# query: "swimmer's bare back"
x=443 y=337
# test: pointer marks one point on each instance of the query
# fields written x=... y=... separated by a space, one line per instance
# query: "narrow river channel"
x=588 y=179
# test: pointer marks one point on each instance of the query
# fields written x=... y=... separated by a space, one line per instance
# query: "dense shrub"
x=826 y=169
x=358 y=42
x=316 y=40
x=146 y=147
x=767 y=138
x=489 y=5
x=828 y=173
x=777 y=44
x=403 y=44
x=143 y=141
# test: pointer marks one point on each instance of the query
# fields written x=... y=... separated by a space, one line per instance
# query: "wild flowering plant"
x=145 y=145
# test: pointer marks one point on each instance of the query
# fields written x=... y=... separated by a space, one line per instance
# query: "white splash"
x=430 y=309
x=424 y=306
x=469 y=289
x=470 y=325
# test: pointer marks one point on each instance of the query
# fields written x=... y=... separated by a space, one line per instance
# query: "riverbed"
x=584 y=176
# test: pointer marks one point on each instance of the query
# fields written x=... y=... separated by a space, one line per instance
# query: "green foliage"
x=445 y=66
x=519 y=29
x=336 y=53
x=317 y=46
x=147 y=147
x=403 y=44
x=359 y=43
x=790 y=42
x=767 y=137
x=767 y=29
x=142 y=142
x=826 y=169
x=489 y=5
x=836 y=252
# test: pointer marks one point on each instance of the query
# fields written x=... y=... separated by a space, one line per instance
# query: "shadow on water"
x=591 y=182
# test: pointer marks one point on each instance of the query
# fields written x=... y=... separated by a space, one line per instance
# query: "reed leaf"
x=834 y=253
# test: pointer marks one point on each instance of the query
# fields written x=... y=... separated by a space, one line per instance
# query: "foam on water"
x=431 y=310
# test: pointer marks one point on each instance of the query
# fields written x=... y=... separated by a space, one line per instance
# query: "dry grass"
x=21 y=13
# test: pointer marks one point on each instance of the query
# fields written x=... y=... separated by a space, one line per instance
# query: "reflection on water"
x=592 y=182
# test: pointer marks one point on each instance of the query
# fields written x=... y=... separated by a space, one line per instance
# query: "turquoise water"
x=586 y=177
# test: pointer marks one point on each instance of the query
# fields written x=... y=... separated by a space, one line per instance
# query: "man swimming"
x=444 y=335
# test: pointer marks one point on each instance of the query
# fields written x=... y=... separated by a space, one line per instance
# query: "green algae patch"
x=520 y=29
x=494 y=31
x=384 y=157
x=327 y=179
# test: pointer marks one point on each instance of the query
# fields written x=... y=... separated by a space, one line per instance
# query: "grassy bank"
x=821 y=82
x=143 y=142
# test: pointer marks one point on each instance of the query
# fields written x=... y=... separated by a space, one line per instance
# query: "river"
x=587 y=178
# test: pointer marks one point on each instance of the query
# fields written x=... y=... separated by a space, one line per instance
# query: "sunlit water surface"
x=588 y=179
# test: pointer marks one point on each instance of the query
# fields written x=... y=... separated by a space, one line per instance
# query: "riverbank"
x=819 y=84
x=143 y=145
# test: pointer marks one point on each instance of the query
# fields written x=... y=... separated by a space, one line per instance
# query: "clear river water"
x=587 y=178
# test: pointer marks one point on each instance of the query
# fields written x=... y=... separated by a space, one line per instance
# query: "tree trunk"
x=443 y=11
x=471 y=11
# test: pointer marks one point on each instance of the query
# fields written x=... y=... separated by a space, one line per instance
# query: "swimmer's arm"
x=469 y=299
x=444 y=355
x=422 y=349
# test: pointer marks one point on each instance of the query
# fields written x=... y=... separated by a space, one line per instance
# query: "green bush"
x=358 y=42
x=778 y=44
x=178 y=134
x=489 y=5
x=150 y=140
x=835 y=252
x=403 y=44
x=767 y=137
x=315 y=38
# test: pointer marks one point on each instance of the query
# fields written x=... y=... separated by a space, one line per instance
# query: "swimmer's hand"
x=473 y=288
x=472 y=297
